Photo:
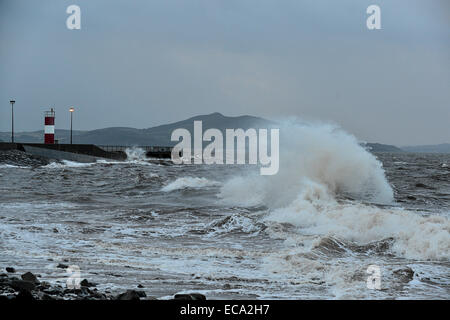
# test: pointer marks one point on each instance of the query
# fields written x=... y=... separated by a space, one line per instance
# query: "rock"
x=44 y=296
x=182 y=297
x=81 y=291
x=190 y=296
x=140 y=286
x=55 y=230
x=141 y=293
x=197 y=296
x=21 y=285
x=86 y=291
x=43 y=285
x=404 y=274
x=20 y=158
x=10 y=270
x=30 y=278
x=47 y=297
x=85 y=283
x=98 y=295
x=53 y=291
x=129 y=295
x=24 y=296
x=62 y=266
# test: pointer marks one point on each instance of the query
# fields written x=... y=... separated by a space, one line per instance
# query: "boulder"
x=129 y=295
x=10 y=270
x=182 y=297
x=141 y=293
x=24 y=296
x=21 y=285
x=197 y=296
x=85 y=283
x=404 y=274
x=30 y=278
x=189 y=296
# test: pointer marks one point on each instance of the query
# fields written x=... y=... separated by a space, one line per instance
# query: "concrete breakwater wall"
x=81 y=152
x=150 y=151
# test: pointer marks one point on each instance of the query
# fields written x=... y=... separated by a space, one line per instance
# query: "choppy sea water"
x=309 y=232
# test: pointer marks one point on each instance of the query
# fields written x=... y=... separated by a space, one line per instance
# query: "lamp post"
x=12 y=120
x=71 y=113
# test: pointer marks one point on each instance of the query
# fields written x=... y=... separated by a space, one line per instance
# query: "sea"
x=316 y=230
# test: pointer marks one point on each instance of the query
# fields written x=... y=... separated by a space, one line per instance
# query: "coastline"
x=28 y=286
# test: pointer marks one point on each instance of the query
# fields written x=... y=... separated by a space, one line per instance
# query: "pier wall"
x=83 y=152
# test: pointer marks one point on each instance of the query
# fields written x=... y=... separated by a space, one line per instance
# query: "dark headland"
x=160 y=135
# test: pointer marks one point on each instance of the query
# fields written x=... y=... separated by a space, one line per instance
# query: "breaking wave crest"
x=7 y=166
x=322 y=154
x=314 y=212
x=67 y=164
x=329 y=185
x=189 y=182
x=135 y=154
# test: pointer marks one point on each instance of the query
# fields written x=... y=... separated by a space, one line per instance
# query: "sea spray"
x=135 y=154
x=320 y=153
x=325 y=182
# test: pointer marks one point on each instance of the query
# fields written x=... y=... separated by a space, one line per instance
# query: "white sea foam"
x=135 y=153
x=189 y=182
x=67 y=164
x=417 y=237
x=318 y=163
x=233 y=223
x=7 y=166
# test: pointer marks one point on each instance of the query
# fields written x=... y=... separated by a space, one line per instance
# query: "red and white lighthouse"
x=49 y=129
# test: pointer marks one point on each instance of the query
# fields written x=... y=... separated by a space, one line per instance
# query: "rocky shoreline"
x=28 y=287
x=20 y=158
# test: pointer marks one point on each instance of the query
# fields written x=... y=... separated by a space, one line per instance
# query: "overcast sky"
x=143 y=63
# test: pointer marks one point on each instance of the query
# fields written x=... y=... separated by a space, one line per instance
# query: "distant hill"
x=378 y=147
x=38 y=136
x=437 y=148
x=158 y=136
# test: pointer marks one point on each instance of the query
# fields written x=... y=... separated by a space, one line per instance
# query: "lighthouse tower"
x=49 y=129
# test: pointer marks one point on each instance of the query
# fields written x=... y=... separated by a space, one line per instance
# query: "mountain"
x=378 y=147
x=38 y=136
x=437 y=148
x=160 y=135
x=157 y=136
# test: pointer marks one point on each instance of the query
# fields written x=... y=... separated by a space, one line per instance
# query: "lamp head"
x=72 y=109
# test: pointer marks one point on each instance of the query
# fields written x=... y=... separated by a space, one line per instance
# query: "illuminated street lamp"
x=71 y=113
